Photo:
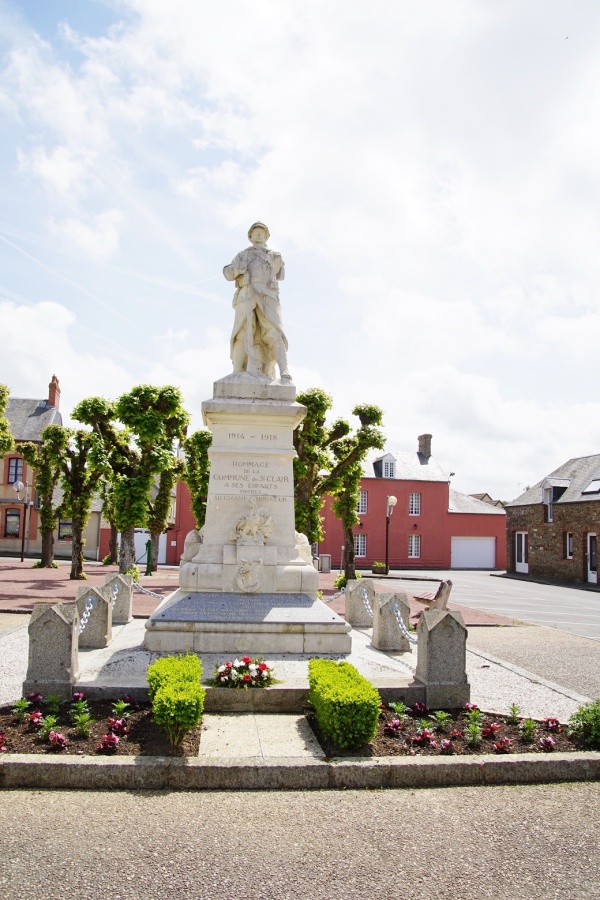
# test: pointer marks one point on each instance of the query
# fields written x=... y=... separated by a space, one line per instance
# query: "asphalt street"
x=468 y=843
x=572 y=609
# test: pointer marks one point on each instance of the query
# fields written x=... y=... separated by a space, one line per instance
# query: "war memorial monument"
x=247 y=582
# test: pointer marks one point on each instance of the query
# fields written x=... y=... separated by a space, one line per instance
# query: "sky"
x=429 y=172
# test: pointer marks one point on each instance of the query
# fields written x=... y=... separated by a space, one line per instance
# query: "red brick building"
x=431 y=526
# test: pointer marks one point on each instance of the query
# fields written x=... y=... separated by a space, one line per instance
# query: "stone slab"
x=265 y=737
x=294 y=773
x=218 y=606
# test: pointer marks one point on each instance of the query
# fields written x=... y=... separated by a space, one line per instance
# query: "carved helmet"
x=259 y=225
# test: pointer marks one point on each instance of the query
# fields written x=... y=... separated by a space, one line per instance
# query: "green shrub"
x=346 y=704
x=177 y=707
x=585 y=724
x=172 y=669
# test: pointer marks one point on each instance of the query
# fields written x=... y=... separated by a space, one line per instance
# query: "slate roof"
x=574 y=475
x=464 y=503
x=28 y=418
x=409 y=466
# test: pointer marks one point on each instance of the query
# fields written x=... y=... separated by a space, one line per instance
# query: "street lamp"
x=389 y=509
x=18 y=486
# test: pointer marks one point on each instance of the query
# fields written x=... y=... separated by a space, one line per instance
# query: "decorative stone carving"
x=258 y=340
x=248 y=576
x=192 y=544
x=254 y=528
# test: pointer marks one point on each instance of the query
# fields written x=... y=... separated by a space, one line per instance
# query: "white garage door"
x=473 y=553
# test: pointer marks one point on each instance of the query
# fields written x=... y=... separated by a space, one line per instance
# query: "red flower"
x=246 y=660
x=262 y=667
x=247 y=677
x=229 y=664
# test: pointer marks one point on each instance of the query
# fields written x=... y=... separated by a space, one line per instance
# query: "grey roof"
x=409 y=466
x=28 y=418
x=574 y=475
x=464 y=503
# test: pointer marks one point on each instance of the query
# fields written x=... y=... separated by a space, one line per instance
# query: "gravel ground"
x=505 y=843
x=563 y=658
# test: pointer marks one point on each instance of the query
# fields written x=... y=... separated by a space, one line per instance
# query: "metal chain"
x=396 y=610
x=87 y=609
x=365 y=599
x=138 y=587
x=334 y=596
x=114 y=590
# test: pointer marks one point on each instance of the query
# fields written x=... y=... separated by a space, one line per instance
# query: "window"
x=389 y=468
x=568 y=545
x=548 y=511
x=15 y=470
x=12 y=523
x=360 y=544
x=65 y=530
x=414 y=504
x=414 y=546
x=593 y=487
x=362 y=503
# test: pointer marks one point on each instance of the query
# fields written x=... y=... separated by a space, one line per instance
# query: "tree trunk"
x=155 y=537
x=127 y=554
x=77 y=546
x=47 y=550
x=349 y=569
x=113 y=544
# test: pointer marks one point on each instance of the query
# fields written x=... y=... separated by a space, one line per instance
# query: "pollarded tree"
x=7 y=441
x=350 y=452
x=159 y=506
x=197 y=471
x=83 y=464
x=329 y=462
x=154 y=418
x=45 y=459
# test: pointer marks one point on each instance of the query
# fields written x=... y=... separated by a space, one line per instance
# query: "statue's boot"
x=281 y=360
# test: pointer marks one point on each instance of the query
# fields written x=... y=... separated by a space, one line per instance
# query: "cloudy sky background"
x=429 y=172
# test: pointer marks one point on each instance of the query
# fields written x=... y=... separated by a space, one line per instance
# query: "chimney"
x=425 y=446
x=54 y=393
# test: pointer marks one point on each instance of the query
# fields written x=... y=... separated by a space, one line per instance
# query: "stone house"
x=552 y=528
x=19 y=513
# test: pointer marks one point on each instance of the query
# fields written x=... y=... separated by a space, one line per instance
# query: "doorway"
x=522 y=552
x=592 y=558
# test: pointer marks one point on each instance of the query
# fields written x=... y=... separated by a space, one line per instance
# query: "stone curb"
x=163 y=773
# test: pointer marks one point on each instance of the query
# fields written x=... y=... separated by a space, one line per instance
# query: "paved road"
x=571 y=609
x=469 y=843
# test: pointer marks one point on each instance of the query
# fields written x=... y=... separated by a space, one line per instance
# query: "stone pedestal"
x=53 y=664
x=442 y=659
x=249 y=546
x=387 y=634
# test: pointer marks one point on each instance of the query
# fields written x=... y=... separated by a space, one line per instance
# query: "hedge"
x=346 y=704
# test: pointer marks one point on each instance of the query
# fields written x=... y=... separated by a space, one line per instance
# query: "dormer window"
x=593 y=487
x=389 y=468
x=548 y=510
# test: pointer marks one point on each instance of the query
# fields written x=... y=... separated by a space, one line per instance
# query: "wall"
x=546 y=539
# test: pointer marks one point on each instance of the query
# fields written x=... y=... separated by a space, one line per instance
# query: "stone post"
x=357 y=614
x=120 y=590
x=97 y=632
x=442 y=659
x=53 y=661
x=387 y=634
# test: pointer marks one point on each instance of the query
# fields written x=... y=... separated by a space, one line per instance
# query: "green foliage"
x=82 y=722
x=340 y=581
x=7 y=441
x=171 y=669
x=20 y=709
x=107 y=560
x=40 y=565
x=154 y=418
x=134 y=571
x=474 y=716
x=53 y=704
x=441 y=719
x=527 y=729
x=329 y=461
x=45 y=459
x=514 y=711
x=346 y=704
x=584 y=724
x=197 y=471
x=401 y=710
x=47 y=724
x=379 y=565
x=473 y=734
x=177 y=707
x=121 y=708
